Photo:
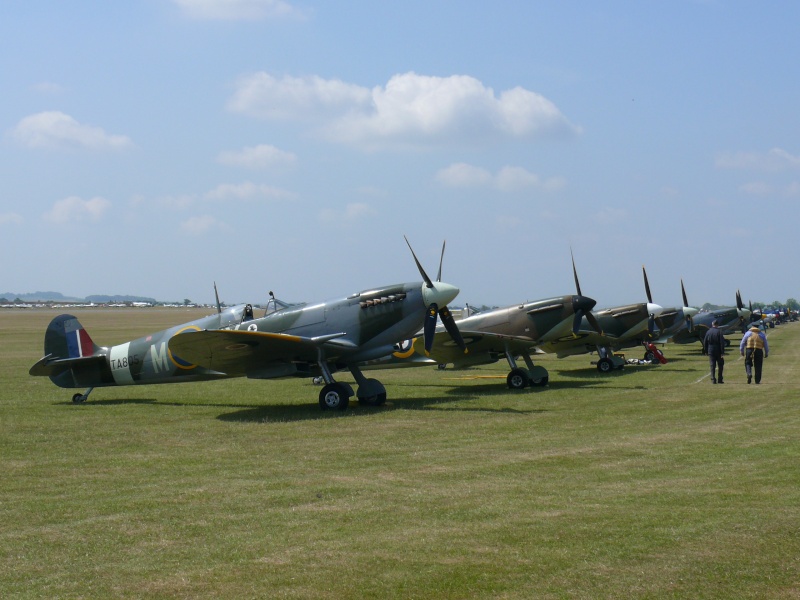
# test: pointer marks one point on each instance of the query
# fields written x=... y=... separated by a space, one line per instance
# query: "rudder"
x=66 y=338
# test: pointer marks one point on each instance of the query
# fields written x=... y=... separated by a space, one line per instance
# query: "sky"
x=156 y=147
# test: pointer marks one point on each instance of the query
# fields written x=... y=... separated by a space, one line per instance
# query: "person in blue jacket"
x=714 y=345
x=755 y=349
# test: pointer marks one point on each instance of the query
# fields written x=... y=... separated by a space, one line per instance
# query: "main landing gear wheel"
x=378 y=400
x=334 y=396
x=604 y=365
x=518 y=379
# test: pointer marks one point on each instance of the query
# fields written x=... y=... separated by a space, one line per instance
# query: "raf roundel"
x=177 y=360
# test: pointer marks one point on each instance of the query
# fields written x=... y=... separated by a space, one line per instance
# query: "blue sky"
x=155 y=147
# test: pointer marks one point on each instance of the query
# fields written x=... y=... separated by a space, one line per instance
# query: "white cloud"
x=516 y=178
x=262 y=156
x=10 y=219
x=264 y=96
x=776 y=159
x=54 y=129
x=245 y=191
x=411 y=108
x=352 y=212
x=463 y=175
x=237 y=10
x=200 y=224
x=75 y=209
x=508 y=179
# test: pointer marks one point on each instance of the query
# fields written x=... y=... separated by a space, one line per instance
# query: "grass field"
x=649 y=483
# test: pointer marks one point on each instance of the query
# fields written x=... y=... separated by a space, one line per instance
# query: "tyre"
x=334 y=396
x=517 y=379
x=604 y=365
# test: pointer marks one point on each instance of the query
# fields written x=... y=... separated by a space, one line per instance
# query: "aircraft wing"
x=244 y=352
x=484 y=347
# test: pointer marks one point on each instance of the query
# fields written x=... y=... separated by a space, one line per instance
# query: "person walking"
x=755 y=349
x=714 y=345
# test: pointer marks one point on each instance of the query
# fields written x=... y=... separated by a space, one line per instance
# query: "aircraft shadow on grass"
x=443 y=396
x=119 y=401
x=286 y=412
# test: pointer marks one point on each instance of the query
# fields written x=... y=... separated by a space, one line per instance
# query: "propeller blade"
x=441 y=260
x=594 y=323
x=422 y=272
x=452 y=328
x=575 y=273
x=739 y=303
x=576 y=322
x=647 y=286
x=683 y=291
x=651 y=324
x=430 y=327
x=690 y=323
x=582 y=312
x=660 y=323
x=219 y=306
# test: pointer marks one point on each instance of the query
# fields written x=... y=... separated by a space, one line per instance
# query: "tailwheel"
x=517 y=379
x=334 y=396
x=78 y=398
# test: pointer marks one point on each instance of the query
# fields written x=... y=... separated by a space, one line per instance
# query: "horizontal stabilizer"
x=53 y=367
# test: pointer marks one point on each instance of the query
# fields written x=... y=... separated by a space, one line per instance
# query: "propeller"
x=434 y=294
x=651 y=319
x=582 y=306
x=743 y=318
x=689 y=317
x=647 y=286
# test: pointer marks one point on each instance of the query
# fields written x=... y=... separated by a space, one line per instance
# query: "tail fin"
x=71 y=359
x=66 y=338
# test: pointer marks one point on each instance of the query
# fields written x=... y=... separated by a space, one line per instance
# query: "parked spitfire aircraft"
x=289 y=341
x=564 y=325
x=672 y=320
x=617 y=328
x=509 y=332
x=729 y=320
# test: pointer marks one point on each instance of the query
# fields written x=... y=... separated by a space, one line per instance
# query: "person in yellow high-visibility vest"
x=755 y=349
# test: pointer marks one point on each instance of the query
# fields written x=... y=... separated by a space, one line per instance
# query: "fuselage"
x=622 y=327
x=366 y=324
x=537 y=321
